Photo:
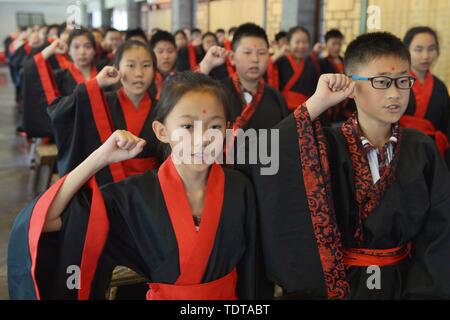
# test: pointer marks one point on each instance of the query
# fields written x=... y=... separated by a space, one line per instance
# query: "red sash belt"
x=361 y=257
x=139 y=165
x=427 y=128
x=220 y=289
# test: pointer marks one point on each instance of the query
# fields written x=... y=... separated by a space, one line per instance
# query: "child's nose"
x=393 y=91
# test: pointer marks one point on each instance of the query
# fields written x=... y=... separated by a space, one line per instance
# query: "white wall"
x=53 y=13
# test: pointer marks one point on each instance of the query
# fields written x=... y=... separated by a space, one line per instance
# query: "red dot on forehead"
x=203 y=111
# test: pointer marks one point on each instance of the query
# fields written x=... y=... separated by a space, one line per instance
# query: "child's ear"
x=160 y=131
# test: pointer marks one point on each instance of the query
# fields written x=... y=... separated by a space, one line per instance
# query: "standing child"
x=429 y=106
x=295 y=69
x=165 y=49
x=254 y=104
x=334 y=63
x=190 y=57
x=361 y=211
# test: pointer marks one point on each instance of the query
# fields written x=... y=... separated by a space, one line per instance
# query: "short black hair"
x=57 y=26
x=370 y=46
x=196 y=30
x=111 y=30
x=334 y=34
x=410 y=35
x=248 y=30
x=280 y=35
x=220 y=30
x=180 y=31
x=138 y=32
x=162 y=36
x=81 y=32
x=296 y=29
x=232 y=30
x=209 y=34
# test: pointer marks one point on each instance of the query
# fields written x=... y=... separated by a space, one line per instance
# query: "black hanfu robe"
x=429 y=111
x=265 y=110
x=310 y=214
x=189 y=58
x=84 y=120
x=270 y=109
x=42 y=85
x=145 y=223
x=297 y=81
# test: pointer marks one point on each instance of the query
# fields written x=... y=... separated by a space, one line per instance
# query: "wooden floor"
x=14 y=172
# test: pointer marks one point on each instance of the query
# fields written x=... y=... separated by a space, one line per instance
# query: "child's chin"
x=199 y=167
x=393 y=117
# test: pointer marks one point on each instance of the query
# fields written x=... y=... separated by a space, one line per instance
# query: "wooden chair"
x=45 y=160
x=122 y=276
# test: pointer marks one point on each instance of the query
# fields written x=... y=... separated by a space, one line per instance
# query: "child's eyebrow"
x=214 y=118
x=390 y=73
x=192 y=117
x=132 y=60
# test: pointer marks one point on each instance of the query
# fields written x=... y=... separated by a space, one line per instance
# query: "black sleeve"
x=428 y=276
x=122 y=246
x=74 y=128
x=182 y=63
x=252 y=280
x=301 y=255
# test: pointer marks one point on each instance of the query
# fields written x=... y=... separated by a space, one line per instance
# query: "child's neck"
x=192 y=179
x=85 y=71
x=377 y=133
x=420 y=74
x=297 y=59
x=135 y=99
x=251 y=86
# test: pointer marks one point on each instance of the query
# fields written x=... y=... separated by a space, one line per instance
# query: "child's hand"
x=284 y=51
x=318 y=47
x=108 y=77
x=331 y=90
x=56 y=47
x=120 y=146
x=215 y=56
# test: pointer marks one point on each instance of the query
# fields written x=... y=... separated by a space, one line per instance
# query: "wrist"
x=99 y=82
x=205 y=68
x=97 y=161
x=315 y=106
x=46 y=53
